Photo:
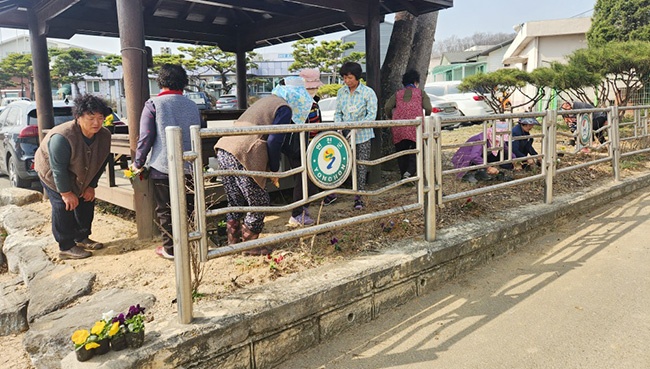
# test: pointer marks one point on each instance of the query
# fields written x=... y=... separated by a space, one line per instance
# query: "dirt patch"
x=127 y=262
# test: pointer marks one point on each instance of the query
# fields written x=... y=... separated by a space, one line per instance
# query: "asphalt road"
x=577 y=298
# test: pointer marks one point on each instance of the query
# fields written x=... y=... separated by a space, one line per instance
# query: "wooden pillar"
x=242 y=90
x=42 y=84
x=373 y=73
x=136 y=88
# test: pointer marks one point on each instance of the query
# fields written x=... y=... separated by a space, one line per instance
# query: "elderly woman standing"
x=257 y=152
x=169 y=109
x=69 y=162
x=407 y=103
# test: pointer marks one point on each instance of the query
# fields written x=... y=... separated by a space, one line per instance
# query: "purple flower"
x=134 y=310
x=119 y=318
x=334 y=240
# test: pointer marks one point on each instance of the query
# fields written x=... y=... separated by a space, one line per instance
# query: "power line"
x=580 y=14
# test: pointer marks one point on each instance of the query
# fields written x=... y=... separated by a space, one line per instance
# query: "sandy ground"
x=127 y=262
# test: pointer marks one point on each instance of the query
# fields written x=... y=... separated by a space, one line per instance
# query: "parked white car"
x=327 y=108
x=470 y=104
x=440 y=106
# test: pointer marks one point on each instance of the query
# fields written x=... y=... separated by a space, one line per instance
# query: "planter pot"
x=118 y=343
x=83 y=354
x=104 y=347
x=134 y=340
x=221 y=231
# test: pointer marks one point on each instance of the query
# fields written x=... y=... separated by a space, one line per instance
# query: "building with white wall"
x=539 y=43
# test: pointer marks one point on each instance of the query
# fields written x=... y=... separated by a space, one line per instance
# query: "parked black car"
x=19 y=138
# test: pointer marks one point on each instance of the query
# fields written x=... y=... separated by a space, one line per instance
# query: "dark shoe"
x=329 y=199
x=89 y=244
x=160 y=251
x=503 y=177
x=469 y=178
x=359 y=204
x=75 y=252
x=233 y=230
x=481 y=175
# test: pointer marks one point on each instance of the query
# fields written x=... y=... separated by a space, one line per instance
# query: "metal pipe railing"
x=429 y=177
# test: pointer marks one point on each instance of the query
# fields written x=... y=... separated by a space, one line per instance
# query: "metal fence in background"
x=433 y=178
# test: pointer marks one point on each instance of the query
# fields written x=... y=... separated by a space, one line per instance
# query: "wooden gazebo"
x=233 y=25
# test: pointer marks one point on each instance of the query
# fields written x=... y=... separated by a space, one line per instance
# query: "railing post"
x=549 y=150
x=199 y=193
x=178 y=205
x=419 y=163
x=430 y=171
x=615 y=138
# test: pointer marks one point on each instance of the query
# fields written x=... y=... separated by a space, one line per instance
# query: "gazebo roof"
x=230 y=24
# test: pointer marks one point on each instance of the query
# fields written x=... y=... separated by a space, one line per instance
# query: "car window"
x=61 y=115
x=3 y=116
x=13 y=118
x=327 y=104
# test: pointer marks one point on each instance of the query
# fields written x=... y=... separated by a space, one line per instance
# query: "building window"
x=92 y=86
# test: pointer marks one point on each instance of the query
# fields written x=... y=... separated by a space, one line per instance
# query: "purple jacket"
x=469 y=155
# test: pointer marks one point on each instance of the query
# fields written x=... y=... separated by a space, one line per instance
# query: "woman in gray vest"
x=69 y=162
x=255 y=153
x=169 y=109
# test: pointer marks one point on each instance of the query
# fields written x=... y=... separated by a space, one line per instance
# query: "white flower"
x=108 y=316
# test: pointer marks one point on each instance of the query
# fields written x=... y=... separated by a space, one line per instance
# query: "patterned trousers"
x=242 y=191
x=363 y=153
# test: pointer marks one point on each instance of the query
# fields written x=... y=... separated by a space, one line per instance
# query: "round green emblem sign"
x=584 y=129
x=328 y=157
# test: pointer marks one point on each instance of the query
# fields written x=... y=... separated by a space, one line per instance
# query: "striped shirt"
x=361 y=105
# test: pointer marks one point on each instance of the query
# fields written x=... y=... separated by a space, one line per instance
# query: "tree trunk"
x=425 y=33
x=397 y=56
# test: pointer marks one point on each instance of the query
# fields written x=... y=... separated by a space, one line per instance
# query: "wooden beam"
x=254 y=6
x=408 y=6
x=273 y=29
x=14 y=19
x=42 y=84
x=187 y=26
x=48 y=10
x=336 y=5
x=130 y=19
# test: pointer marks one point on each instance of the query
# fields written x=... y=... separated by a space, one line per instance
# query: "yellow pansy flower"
x=91 y=345
x=114 y=329
x=98 y=327
x=80 y=336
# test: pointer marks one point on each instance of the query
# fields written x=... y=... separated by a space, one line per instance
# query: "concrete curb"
x=261 y=327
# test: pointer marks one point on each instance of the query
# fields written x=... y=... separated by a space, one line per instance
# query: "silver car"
x=226 y=102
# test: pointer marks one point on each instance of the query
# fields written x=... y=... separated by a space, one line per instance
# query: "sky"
x=464 y=19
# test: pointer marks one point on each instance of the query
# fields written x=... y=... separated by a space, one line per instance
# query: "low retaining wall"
x=261 y=327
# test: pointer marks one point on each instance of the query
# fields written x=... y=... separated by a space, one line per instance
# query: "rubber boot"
x=233 y=230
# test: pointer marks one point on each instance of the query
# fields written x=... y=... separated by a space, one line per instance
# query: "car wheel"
x=14 y=179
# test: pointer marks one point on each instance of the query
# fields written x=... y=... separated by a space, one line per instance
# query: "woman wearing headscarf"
x=257 y=152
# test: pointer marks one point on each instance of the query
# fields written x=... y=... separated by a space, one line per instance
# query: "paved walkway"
x=577 y=298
